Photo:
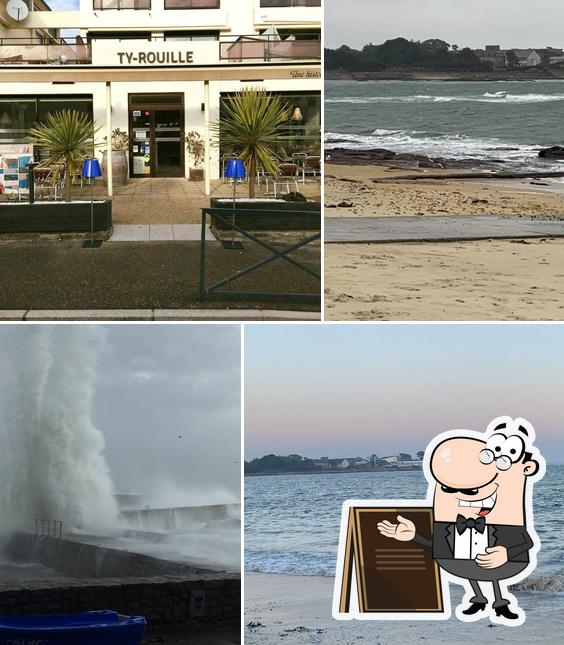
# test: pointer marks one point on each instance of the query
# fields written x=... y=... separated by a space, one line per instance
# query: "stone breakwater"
x=161 y=599
x=90 y=560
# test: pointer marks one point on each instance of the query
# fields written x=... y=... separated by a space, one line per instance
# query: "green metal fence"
x=227 y=217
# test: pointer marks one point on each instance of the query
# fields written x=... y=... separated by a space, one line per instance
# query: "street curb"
x=158 y=315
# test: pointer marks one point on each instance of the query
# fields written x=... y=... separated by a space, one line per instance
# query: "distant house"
x=392 y=459
x=528 y=57
x=492 y=54
x=344 y=464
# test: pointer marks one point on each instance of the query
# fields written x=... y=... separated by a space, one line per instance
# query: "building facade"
x=159 y=69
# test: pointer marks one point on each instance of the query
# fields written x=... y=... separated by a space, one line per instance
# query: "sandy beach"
x=353 y=187
x=297 y=609
x=482 y=280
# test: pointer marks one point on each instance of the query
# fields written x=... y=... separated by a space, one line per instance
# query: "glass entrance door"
x=156 y=130
x=168 y=153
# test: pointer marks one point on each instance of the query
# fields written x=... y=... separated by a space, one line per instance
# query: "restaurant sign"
x=156 y=58
x=148 y=53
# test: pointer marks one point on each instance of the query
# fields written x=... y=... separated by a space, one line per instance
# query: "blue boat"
x=87 y=628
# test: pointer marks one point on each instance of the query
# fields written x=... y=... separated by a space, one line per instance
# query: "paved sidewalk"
x=438 y=229
x=158 y=232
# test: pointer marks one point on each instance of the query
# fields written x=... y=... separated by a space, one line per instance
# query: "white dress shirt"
x=470 y=543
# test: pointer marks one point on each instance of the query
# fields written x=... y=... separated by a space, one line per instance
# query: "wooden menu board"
x=391 y=576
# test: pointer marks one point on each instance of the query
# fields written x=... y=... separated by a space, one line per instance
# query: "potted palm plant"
x=195 y=147
x=120 y=166
x=68 y=138
x=249 y=127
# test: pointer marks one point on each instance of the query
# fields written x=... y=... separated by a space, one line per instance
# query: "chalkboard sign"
x=389 y=576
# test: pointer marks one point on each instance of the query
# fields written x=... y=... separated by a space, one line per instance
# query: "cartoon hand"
x=403 y=531
x=494 y=557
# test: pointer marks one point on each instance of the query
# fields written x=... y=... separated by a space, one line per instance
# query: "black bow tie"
x=479 y=524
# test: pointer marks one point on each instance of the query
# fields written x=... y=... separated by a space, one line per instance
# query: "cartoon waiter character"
x=480 y=486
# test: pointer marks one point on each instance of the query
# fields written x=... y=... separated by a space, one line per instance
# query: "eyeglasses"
x=503 y=462
x=505 y=451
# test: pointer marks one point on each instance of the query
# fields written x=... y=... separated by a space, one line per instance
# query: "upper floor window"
x=191 y=35
x=290 y=3
x=101 y=5
x=192 y=4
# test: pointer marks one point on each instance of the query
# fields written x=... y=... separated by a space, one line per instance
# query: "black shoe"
x=505 y=612
x=474 y=608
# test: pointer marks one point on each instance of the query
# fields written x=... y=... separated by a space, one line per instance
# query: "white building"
x=159 y=69
x=528 y=57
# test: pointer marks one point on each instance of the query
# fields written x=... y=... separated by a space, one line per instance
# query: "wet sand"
x=297 y=609
x=482 y=280
x=353 y=187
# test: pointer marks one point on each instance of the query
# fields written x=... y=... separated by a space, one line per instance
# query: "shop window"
x=18 y=114
x=16 y=117
x=302 y=131
x=47 y=105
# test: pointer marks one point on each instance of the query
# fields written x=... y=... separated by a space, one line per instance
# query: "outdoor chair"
x=312 y=167
x=287 y=175
x=299 y=158
x=49 y=182
x=262 y=175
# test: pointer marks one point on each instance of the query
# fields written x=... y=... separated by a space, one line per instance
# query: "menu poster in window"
x=138 y=165
x=386 y=577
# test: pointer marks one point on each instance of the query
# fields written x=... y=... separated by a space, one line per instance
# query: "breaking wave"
x=447 y=146
x=500 y=98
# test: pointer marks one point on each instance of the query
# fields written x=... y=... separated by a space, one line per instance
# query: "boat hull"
x=88 y=628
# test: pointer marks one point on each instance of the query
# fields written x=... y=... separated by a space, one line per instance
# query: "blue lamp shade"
x=235 y=169
x=91 y=168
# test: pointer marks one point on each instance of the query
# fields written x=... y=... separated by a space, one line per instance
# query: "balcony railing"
x=103 y=5
x=232 y=49
x=32 y=51
x=269 y=48
x=290 y=3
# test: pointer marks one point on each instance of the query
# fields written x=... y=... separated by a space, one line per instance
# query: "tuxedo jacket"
x=514 y=538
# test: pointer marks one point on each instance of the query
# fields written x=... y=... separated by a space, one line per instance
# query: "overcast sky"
x=355 y=390
x=153 y=384
x=467 y=23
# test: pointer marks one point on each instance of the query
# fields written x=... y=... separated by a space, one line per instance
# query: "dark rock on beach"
x=554 y=152
x=383 y=157
x=378 y=156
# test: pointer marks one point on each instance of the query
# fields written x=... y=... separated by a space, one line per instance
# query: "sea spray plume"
x=57 y=467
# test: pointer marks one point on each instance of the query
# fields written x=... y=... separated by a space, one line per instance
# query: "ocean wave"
x=452 y=146
x=459 y=147
x=295 y=563
x=500 y=98
x=322 y=564
x=542 y=582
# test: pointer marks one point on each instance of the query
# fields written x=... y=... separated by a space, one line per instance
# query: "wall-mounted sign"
x=156 y=58
x=157 y=52
x=309 y=73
